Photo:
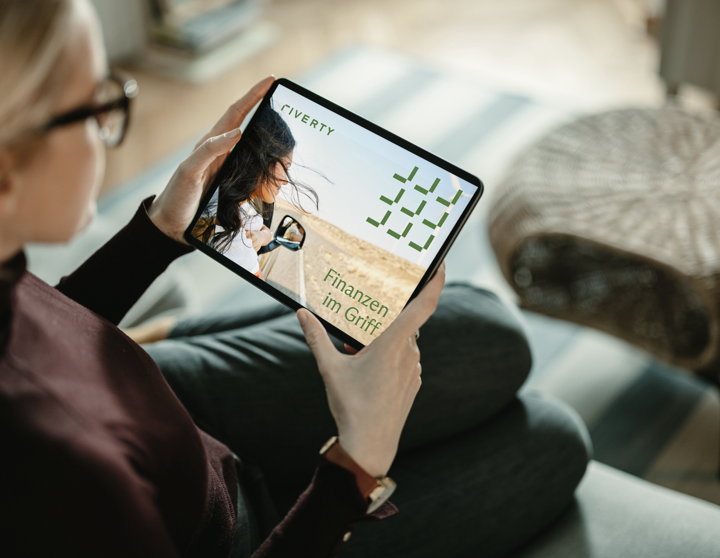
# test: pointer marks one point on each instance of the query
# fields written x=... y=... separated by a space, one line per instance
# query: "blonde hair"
x=34 y=63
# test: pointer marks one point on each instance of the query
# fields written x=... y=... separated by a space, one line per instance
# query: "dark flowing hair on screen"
x=268 y=143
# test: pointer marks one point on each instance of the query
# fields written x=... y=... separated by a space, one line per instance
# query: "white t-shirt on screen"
x=241 y=250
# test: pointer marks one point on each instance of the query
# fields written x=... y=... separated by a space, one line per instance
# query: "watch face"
x=381 y=494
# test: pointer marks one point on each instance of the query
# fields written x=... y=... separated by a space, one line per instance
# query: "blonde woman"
x=101 y=458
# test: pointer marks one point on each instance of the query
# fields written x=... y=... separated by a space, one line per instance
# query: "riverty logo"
x=415 y=214
x=307 y=119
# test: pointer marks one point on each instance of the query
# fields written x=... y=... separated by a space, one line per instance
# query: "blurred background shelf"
x=590 y=52
x=199 y=67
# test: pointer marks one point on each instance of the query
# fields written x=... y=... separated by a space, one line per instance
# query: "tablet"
x=324 y=210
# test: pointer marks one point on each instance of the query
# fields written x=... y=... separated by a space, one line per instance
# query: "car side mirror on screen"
x=290 y=233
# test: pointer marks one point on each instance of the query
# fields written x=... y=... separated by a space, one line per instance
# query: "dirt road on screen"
x=306 y=275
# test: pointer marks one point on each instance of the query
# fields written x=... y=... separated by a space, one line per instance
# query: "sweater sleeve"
x=114 y=277
x=319 y=521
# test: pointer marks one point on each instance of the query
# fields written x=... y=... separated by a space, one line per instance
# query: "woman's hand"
x=173 y=210
x=259 y=238
x=371 y=393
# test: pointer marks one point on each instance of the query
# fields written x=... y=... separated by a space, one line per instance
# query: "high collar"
x=11 y=272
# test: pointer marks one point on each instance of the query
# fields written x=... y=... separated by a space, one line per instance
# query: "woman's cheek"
x=92 y=174
x=81 y=162
x=97 y=156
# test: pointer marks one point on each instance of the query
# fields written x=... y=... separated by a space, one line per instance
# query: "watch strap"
x=335 y=453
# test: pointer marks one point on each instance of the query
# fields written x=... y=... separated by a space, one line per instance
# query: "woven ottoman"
x=613 y=221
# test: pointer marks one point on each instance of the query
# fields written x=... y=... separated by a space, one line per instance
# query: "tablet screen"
x=338 y=218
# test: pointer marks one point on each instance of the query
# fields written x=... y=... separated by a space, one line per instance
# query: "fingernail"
x=302 y=318
x=232 y=133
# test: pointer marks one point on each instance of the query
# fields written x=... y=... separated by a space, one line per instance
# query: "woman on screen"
x=206 y=444
x=243 y=249
x=232 y=223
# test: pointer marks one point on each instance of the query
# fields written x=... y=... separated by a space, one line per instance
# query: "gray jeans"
x=480 y=469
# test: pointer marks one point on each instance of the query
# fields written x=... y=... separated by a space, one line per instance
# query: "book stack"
x=197 y=40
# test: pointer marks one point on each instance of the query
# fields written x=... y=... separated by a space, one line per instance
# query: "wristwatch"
x=375 y=491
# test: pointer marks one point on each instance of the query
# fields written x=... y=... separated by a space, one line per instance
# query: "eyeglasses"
x=112 y=110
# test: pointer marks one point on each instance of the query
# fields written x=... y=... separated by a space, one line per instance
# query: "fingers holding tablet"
x=236 y=113
x=417 y=312
x=369 y=394
x=175 y=207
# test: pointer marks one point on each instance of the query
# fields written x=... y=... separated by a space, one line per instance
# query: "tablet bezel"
x=375 y=129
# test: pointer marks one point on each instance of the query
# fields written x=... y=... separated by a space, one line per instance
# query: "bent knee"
x=478 y=320
x=561 y=439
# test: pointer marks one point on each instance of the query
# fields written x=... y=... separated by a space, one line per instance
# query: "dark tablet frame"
x=375 y=129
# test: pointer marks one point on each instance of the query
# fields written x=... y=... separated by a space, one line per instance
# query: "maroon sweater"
x=97 y=455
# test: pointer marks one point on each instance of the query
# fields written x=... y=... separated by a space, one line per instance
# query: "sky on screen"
x=360 y=167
